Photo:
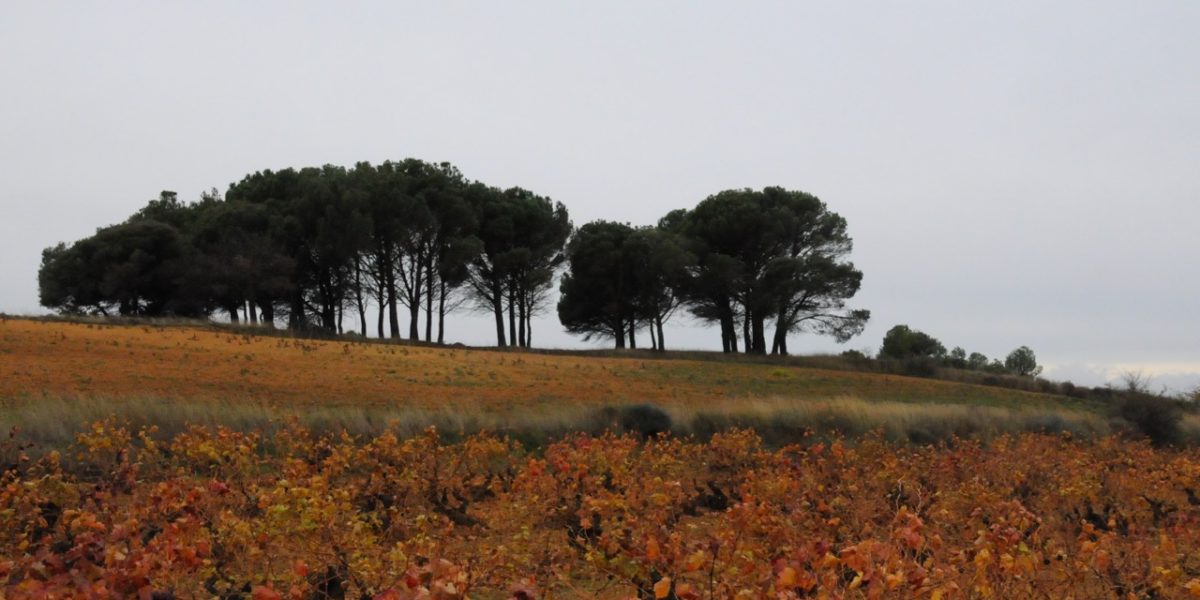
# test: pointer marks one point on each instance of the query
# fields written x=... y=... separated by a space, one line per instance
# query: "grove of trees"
x=739 y=257
x=904 y=343
x=366 y=248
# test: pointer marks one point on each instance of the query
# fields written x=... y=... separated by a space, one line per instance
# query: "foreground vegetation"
x=215 y=512
x=217 y=463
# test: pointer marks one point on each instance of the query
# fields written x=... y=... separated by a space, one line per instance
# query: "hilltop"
x=60 y=374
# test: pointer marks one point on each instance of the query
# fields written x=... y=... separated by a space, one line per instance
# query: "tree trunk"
x=381 y=298
x=414 y=300
x=529 y=332
x=619 y=334
x=341 y=311
x=393 y=314
x=328 y=313
x=512 y=318
x=760 y=340
x=498 y=311
x=728 y=326
x=521 y=319
x=779 y=345
x=662 y=344
x=358 y=296
x=653 y=339
x=429 y=290
x=749 y=341
x=442 y=312
x=233 y=314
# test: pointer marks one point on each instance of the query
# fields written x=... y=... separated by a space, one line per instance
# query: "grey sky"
x=1013 y=173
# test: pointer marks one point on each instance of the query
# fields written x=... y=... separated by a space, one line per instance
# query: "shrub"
x=1069 y=389
x=920 y=366
x=646 y=420
x=1046 y=386
x=902 y=342
x=1154 y=417
x=1193 y=396
x=1023 y=361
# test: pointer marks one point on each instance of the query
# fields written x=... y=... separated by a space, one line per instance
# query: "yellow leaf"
x=1193 y=588
x=787 y=577
x=893 y=580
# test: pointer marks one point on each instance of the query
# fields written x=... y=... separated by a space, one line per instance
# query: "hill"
x=59 y=374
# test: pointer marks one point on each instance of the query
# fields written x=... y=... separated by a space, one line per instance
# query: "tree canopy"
x=414 y=240
x=770 y=254
x=902 y=342
x=308 y=245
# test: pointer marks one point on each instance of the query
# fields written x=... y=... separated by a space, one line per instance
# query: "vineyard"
x=217 y=513
x=157 y=508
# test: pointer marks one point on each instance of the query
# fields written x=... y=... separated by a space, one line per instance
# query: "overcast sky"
x=1012 y=172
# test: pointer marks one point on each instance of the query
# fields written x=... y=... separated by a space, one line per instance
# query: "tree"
x=661 y=266
x=65 y=282
x=769 y=254
x=240 y=265
x=811 y=282
x=521 y=237
x=1023 y=362
x=542 y=229
x=598 y=293
x=488 y=270
x=139 y=268
x=977 y=361
x=453 y=246
x=957 y=358
x=900 y=342
x=382 y=191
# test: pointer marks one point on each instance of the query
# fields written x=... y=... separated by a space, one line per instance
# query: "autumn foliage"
x=219 y=513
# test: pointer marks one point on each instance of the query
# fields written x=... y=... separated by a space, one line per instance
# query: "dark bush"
x=1154 y=417
x=1046 y=386
x=646 y=420
x=920 y=367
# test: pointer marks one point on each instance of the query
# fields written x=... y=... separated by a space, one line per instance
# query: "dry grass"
x=94 y=360
x=780 y=420
x=56 y=376
x=52 y=422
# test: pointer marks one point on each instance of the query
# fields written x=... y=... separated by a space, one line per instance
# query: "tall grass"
x=52 y=422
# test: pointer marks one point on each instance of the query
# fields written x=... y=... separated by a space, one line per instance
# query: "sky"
x=1013 y=173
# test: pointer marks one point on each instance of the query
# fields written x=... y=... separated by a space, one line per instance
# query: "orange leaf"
x=787 y=577
x=662 y=589
x=261 y=592
x=1193 y=588
x=652 y=549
